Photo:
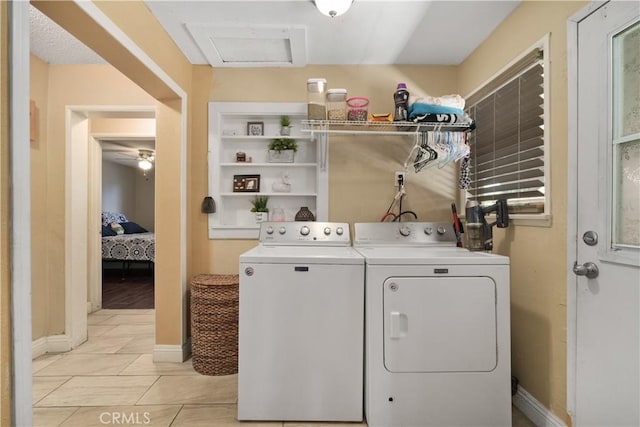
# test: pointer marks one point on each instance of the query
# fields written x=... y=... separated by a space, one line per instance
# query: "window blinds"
x=507 y=148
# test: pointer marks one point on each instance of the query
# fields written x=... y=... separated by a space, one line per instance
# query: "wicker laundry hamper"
x=214 y=323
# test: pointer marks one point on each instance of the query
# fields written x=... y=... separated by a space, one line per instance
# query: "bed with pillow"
x=124 y=240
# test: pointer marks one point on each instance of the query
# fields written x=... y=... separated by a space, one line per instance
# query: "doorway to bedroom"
x=121 y=200
x=127 y=216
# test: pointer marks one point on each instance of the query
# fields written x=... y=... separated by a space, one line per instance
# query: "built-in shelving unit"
x=228 y=135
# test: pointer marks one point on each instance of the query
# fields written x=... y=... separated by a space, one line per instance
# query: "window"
x=508 y=148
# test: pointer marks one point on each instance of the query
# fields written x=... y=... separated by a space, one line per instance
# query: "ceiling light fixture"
x=145 y=159
x=145 y=164
x=333 y=8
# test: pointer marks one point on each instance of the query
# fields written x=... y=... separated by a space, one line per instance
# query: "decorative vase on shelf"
x=284 y=156
x=277 y=214
x=282 y=150
x=260 y=208
x=304 y=214
x=284 y=186
x=285 y=126
x=261 y=216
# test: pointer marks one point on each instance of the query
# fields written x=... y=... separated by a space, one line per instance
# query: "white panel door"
x=607 y=375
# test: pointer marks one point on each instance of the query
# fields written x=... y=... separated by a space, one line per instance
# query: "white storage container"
x=337 y=104
x=316 y=104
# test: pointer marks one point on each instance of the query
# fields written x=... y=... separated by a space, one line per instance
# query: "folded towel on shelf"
x=463 y=119
x=438 y=118
x=455 y=100
x=419 y=108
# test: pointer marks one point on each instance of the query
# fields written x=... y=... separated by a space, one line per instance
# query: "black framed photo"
x=246 y=183
x=255 y=128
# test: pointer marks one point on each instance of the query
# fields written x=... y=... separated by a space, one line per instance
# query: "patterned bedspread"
x=136 y=247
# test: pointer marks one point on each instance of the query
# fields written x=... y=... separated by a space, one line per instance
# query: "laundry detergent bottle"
x=401 y=99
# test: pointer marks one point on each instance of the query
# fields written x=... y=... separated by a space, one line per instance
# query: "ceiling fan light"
x=333 y=8
x=144 y=164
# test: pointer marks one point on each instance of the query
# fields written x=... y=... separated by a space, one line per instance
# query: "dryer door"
x=440 y=324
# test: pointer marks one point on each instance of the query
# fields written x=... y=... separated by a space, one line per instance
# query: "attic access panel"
x=257 y=46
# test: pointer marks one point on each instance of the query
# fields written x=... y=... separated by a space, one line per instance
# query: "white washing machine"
x=301 y=325
x=437 y=340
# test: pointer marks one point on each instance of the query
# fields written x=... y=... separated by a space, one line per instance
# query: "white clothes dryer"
x=301 y=325
x=437 y=332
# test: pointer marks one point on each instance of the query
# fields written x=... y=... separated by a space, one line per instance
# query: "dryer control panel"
x=305 y=233
x=404 y=234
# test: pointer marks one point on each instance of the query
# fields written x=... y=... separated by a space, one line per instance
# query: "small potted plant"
x=260 y=208
x=282 y=150
x=285 y=126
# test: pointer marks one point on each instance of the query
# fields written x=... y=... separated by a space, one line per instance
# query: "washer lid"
x=390 y=255
x=302 y=254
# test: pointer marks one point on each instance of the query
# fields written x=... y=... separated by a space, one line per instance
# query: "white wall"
x=145 y=199
x=118 y=189
x=125 y=189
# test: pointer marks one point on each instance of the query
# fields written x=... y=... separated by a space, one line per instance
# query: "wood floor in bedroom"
x=135 y=291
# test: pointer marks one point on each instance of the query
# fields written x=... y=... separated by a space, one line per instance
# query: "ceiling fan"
x=126 y=153
x=145 y=159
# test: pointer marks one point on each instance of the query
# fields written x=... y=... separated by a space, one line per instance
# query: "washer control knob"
x=248 y=271
x=269 y=229
x=304 y=230
x=428 y=231
x=339 y=231
x=327 y=230
x=405 y=230
x=441 y=230
x=282 y=230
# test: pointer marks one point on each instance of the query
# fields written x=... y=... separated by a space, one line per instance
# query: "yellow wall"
x=5 y=256
x=538 y=254
x=136 y=20
x=123 y=126
x=365 y=167
x=77 y=85
x=357 y=165
x=38 y=91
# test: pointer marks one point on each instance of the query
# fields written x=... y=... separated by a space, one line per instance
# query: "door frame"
x=20 y=221
x=572 y=198
x=77 y=181
x=94 y=290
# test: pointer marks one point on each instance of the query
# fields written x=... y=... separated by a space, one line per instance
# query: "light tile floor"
x=112 y=380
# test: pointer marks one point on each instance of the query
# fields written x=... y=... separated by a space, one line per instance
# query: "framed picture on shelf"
x=255 y=128
x=246 y=183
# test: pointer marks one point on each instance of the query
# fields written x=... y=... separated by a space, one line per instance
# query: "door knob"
x=588 y=269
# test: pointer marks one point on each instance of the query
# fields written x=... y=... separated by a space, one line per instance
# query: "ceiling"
x=371 y=32
x=242 y=33
x=124 y=151
x=51 y=43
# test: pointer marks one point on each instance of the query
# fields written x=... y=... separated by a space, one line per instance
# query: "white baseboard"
x=172 y=353
x=535 y=411
x=52 y=344
x=38 y=347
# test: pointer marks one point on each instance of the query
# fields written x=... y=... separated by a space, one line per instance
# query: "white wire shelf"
x=380 y=128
